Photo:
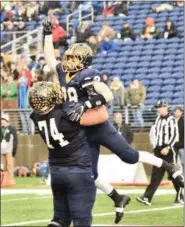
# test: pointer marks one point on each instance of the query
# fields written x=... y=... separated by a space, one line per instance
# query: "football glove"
x=47 y=27
x=76 y=110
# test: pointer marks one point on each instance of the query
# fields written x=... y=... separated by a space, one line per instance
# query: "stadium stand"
x=158 y=63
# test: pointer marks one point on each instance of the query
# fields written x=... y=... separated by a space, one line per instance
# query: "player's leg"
x=110 y=138
x=179 y=199
x=120 y=201
x=81 y=195
x=156 y=178
x=62 y=216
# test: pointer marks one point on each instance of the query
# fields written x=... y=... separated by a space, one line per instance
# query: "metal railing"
x=21 y=120
x=80 y=15
x=32 y=39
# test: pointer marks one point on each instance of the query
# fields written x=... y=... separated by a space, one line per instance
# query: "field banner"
x=113 y=170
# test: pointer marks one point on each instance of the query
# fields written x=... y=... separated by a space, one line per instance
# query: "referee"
x=166 y=135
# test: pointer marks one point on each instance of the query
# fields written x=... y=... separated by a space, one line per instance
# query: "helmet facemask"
x=77 y=57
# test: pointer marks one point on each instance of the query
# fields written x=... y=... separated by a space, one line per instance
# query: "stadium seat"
x=167 y=88
x=155 y=88
x=178 y=101
x=170 y=81
x=166 y=95
x=145 y=82
x=152 y=95
x=166 y=69
x=156 y=81
x=179 y=81
x=178 y=94
x=151 y=101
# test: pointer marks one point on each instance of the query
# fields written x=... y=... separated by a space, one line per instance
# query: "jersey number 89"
x=54 y=133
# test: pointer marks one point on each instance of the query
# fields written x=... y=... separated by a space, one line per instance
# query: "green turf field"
x=36 y=210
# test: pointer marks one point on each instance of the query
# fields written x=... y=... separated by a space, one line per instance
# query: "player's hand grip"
x=47 y=27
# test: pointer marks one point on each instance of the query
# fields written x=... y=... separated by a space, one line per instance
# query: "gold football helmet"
x=44 y=95
x=77 y=57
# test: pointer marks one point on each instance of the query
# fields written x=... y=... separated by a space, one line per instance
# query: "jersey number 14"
x=53 y=132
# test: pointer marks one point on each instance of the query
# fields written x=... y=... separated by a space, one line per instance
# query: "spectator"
x=9 y=92
x=127 y=33
x=59 y=35
x=135 y=97
x=2 y=35
x=21 y=11
x=21 y=28
x=122 y=128
x=9 y=28
x=72 y=5
x=23 y=88
x=8 y=146
x=47 y=73
x=106 y=31
x=118 y=90
x=32 y=11
x=106 y=79
x=170 y=30
x=180 y=144
x=14 y=71
x=121 y=8
x=32 y=64
x=150 y=31
x=162 y=7
x=167 y=6
x=109 y=11
x=43 y=8
x=107 y=45
x=41 y=62
x=83 y=32
x=9 y=15
x=94 y=44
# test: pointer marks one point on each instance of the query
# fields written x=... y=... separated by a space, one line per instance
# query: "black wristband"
x=97 y=100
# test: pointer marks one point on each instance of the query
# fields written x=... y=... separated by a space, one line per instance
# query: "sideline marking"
x=98 y=215
x=26 y=198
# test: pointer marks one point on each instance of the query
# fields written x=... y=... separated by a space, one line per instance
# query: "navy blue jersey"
x=66 y=140
x=73 y=86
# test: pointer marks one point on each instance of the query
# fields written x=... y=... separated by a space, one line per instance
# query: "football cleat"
x=144 y=200
x=120 y=208
x=177 y=174
x=54 y=223
x=178 y=202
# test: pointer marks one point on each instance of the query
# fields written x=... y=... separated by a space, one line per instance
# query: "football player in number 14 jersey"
x=83 y=87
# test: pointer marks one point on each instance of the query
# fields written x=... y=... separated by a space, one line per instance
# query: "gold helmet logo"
x=44 y=95
x=77 y=57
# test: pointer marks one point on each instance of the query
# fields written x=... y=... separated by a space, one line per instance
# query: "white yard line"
x=97 y=215
x=26 y=198
x=48 y=191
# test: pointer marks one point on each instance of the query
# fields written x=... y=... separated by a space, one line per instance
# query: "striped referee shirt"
x=166 y=131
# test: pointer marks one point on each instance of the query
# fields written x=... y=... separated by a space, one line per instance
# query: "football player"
x=72 y=179
x=83 y=87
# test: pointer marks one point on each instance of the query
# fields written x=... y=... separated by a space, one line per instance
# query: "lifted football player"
x=72 y=179
x=83 y=88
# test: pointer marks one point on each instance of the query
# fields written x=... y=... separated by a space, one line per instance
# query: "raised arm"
x=49 y=53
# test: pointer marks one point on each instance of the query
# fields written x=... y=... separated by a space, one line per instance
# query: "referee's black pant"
x=158 y=174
